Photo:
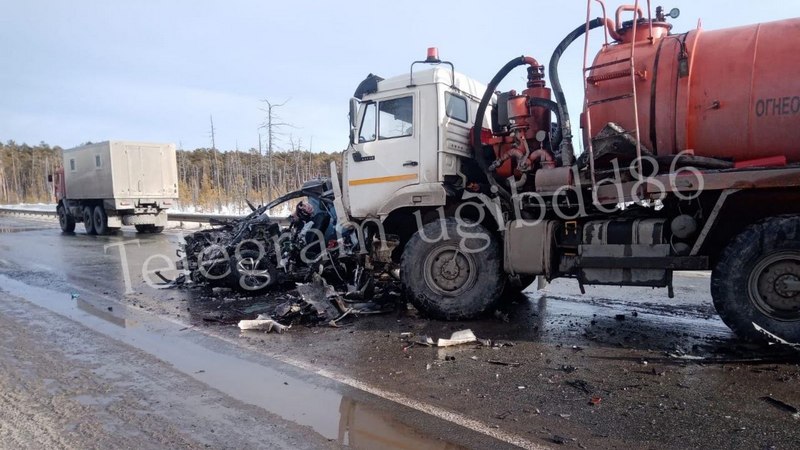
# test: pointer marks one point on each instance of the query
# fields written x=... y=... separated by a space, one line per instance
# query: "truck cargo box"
x=121 y=170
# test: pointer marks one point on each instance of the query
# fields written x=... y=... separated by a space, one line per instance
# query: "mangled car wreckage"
x=254 y=253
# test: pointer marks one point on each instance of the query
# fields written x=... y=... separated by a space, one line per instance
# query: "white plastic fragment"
x=262 y=323
x=458 y=338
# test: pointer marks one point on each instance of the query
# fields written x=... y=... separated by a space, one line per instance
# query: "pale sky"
x=81 y=70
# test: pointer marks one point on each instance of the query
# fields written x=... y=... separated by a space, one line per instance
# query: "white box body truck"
x=114 y=183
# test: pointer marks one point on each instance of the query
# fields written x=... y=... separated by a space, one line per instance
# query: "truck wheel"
x=251 y=271
x=88 y=220
x=149 y=228
x=757 y=280
x=458 y=276
x=100 y=220
x=66 y=221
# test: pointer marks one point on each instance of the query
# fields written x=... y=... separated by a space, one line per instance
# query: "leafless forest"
x=209 y=178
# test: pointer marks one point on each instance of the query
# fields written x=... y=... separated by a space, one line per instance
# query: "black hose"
x=552 y=106
x=477 y=145
x=566 y=149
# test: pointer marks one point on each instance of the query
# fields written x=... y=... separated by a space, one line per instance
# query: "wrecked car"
x=254 y=253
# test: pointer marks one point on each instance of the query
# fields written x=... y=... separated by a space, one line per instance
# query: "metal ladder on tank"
x=631 y=72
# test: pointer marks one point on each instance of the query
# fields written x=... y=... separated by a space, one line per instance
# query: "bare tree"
x=273 y=124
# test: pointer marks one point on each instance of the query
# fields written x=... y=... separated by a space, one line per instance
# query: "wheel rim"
x=98 y=219
x=449 y=271
x=88 y=220
x=62 y=218
x=774 y=286
x=253 y=275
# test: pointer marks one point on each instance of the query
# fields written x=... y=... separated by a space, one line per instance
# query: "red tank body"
x=732 y=94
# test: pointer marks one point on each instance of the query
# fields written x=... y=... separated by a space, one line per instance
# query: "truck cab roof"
x=439 y=74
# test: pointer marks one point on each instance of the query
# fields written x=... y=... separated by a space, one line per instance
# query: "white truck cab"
x=408 y=133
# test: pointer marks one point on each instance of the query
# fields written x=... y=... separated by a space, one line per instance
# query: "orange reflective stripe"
x=408 y=176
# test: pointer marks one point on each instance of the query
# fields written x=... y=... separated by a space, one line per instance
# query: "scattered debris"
x=775 y=339
x=263 y=322
x=782 y=406
x=580 y=385
x=619 y=317
x=503 y=363
x=595 y=400
x=424 y=340
x=320 y=297
x=560 y=440
x=568 y=369
x=458 y=338
x=74 y=295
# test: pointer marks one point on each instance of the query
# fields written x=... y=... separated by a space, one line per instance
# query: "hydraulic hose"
x=566 y=149
x=552 y=106
x=477 y=144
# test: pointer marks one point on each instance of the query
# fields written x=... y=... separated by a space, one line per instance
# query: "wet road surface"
x=614 y=368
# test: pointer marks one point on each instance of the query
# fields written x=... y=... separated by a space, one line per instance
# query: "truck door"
x=385 y=155
x=145 y=170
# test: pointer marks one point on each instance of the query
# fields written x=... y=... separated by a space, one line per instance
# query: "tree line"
x=209 y=180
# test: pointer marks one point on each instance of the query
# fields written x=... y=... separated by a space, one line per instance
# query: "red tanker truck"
x=690 y=161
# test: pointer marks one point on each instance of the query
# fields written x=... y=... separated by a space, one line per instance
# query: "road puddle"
x=288 y=392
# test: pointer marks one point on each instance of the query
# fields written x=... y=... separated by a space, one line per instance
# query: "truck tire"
x=66 y=221
x=149 y=228
x=100 y=220
x=88 y=220
x=749 y=283
x=458 y=276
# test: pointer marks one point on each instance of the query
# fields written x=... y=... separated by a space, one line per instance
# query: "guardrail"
x=172 y=217
x=27 y=212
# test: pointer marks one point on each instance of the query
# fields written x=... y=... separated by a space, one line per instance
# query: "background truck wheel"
x=100 y=220
x=251 y=271
x=149 y=229
x=88 y=220
x=66 y=221
x=757 y=280
x=459 y=276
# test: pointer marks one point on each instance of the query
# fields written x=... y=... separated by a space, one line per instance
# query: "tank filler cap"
x=674 y=13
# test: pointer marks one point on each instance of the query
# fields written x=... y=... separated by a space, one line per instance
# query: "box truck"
x=114 y=183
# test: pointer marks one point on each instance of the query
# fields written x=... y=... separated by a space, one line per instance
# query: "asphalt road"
x=617 y=367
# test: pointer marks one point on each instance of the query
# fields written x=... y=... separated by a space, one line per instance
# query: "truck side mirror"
x=353 y=117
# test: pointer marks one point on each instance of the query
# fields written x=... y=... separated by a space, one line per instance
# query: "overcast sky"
x=76 y=71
